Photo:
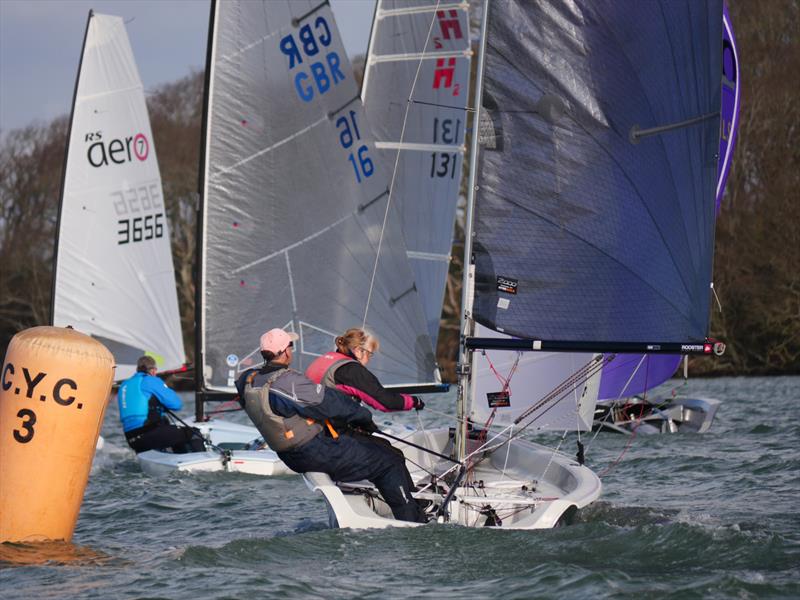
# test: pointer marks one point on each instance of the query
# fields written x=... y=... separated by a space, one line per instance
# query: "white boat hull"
x=523 y=485
x=677 y=415
x=253 y=462
x=234 y=456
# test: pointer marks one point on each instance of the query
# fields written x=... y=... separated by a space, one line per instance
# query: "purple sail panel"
x=631 y=374
x=621 y=377
x=729 y=121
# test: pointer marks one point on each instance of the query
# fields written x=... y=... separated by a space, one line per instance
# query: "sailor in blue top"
x=142 y=401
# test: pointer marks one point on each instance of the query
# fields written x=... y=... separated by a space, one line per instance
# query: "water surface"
x=711 y=515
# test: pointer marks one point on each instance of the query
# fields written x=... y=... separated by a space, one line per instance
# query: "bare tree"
x=30 y=179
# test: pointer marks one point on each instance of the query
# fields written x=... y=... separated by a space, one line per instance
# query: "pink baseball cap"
x=277 y=340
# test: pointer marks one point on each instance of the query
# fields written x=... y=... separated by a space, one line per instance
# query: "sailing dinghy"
x=589 y=229
x=113 y=274
x=294 y=201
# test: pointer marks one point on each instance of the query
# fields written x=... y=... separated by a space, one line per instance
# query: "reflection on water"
x=49 y=553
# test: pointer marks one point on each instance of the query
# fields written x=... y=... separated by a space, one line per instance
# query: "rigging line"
x=569 y=382
x=624 y=450
x=366 y=205
x=421 y=424
x=508 y=453
x=291 y=283
x=431 y=411
x=636 y=370
x=553 y=454
x=560 y=392
x=719 y=304
x=396 y=164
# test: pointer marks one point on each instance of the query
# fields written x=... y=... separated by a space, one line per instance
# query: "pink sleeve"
x=365 y=398
x=408 y=401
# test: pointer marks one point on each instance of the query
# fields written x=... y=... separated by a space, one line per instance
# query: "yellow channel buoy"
x=54 y=386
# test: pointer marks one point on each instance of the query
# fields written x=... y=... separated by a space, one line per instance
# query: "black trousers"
x=165 y=435
x=351 y=458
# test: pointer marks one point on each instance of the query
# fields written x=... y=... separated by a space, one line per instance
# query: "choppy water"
x=681 y=516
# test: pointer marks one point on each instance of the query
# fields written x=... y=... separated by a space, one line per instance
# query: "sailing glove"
x=418 y=404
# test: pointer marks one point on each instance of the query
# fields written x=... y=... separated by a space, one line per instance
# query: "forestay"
x=589 y=225
x=295 y=201
x=416 y=86
x=114 y=277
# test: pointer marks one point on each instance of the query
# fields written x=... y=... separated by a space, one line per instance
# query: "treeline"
x=757 y=268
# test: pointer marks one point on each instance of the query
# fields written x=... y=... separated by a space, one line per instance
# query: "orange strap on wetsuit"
x=328 y=424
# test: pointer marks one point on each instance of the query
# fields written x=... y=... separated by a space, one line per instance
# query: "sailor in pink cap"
x=299 y=420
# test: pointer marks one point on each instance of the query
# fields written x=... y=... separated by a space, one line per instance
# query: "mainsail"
x=599 y=129
x=113 y=277
x=294 y=231
x=416 y=86
x=593 y=213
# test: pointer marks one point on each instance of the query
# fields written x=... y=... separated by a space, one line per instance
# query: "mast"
x=372 y=33
x=468 y=277
x=199 y=341
x=64 y=174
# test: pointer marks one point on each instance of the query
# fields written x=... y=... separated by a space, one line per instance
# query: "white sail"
x=114 y=277
x=295 y=202
x=416 y=86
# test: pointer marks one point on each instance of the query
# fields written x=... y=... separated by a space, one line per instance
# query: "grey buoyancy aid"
x=323 y=369
x=281 y=433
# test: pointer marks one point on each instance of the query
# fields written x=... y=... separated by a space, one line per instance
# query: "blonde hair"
x=356 y=338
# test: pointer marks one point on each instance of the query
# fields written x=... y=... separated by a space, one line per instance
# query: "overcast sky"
x=40 y=44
